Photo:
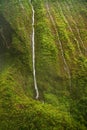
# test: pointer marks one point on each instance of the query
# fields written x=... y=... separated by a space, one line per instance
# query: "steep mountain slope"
x=43 y=56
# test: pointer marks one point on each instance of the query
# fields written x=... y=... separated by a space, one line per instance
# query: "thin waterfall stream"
x=33 y=51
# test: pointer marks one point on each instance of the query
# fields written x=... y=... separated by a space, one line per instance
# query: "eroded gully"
x=59 y=41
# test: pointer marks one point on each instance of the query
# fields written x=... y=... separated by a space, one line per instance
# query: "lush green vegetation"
x=62 y=105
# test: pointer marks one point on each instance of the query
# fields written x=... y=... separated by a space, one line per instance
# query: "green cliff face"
x=60 y=34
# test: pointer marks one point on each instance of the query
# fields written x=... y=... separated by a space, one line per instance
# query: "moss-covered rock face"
x=60 y=64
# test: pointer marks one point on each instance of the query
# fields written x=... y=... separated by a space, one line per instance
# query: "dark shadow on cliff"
x=6 y=35
x=8 y=50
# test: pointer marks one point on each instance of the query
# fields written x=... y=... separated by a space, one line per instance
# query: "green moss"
x=67 y=109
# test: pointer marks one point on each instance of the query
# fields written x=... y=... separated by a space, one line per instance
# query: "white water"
x=59 y=41
x=33 y=52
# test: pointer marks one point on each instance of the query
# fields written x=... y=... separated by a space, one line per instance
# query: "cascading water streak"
x=33 y=52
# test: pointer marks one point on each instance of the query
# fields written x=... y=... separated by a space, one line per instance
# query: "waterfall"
x=33 y=52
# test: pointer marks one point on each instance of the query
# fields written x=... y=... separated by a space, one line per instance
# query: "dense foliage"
x=61 y=65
